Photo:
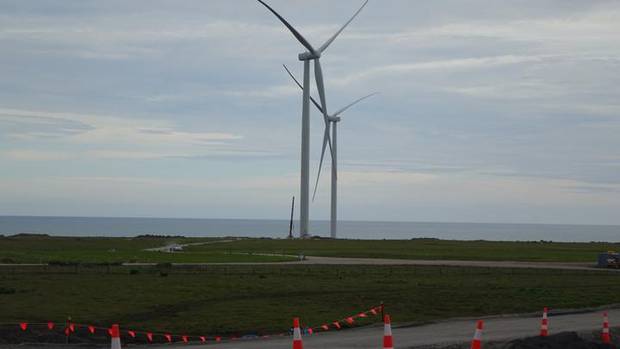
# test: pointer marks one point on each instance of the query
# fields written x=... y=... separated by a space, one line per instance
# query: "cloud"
x=17 y=124
x=489 y=110
x=553 y=30
x=222 y=153
x=582 y=29
x=239 y=92
x=461 y=64
x=594 y=189
x=123 y=138
x=122 y=37
x=598 y=109
x=34 y=155
x=383 y=178
x=515 y=90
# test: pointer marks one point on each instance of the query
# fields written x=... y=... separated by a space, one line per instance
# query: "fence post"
x=382 y=310
x=67 y=328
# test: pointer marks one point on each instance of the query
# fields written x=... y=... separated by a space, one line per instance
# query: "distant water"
x=91 y=226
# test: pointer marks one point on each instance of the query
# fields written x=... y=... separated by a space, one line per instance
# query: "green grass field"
x=263 y=299
x=423 y=249
x=241 y=299
x=40 y=249
x=43 y=249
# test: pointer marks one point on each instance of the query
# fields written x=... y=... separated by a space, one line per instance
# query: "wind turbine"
x=311 y=55
x=334 y=119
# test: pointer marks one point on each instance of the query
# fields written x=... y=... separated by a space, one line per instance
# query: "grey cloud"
x=478 y=89
x=591 y=189
x=22 y=126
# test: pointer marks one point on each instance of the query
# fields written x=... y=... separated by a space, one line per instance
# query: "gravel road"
x=454 y=263
x=381 y=261
x=450 y=334
x=437 y=334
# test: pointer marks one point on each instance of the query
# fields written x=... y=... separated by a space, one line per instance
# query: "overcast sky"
x=489 y=111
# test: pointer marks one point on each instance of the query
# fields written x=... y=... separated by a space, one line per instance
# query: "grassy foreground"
x=263 y=299
x=46 y=249
x=423 y=249
x=43 y=249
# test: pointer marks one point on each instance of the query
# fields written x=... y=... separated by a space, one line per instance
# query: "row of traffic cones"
x=605 y=336
x=297 y=341
x=476 y=343
x=388 y=340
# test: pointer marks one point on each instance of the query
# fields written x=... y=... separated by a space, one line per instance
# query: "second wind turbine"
x=311 y=55
x=333 y=121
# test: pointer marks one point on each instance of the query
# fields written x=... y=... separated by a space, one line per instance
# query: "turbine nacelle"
x=334 y=118
x=307 y=56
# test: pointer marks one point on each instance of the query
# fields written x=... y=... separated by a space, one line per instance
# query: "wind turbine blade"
x=318 y=74
x=302 y=88
x=292 y=76
x=325 y=138
x=297 y=35
x=320 y=85
x=354 y=103
x=330 y=40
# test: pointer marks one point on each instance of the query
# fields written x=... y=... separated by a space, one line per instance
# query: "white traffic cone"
x=388 y=341
x=476 y=343
x=297 y=343
x=115 y=333
x=605 y=337
x=544 y=324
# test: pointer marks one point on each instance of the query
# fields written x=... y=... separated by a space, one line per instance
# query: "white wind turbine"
x=334 y=119
x=314 y=55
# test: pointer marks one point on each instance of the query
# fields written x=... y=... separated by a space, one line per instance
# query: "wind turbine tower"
x=311 y=54
x=333 y=122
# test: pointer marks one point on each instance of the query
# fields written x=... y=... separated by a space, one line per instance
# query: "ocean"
x=116 y=227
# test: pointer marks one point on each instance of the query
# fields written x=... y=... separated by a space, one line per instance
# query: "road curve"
x=167 y=247
x=443 y=333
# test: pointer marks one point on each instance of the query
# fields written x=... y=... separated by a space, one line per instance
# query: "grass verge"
x=47 y=249
x=423 y=249
x=263 y=299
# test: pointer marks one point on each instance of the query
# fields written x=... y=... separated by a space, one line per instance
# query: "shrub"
x=7 y=290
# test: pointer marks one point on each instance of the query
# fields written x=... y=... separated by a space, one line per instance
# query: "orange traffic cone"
x=115 y=333
x=388 y=341
x=544 y=325
x=476 y=343
x=605 y=337
x=297 y=343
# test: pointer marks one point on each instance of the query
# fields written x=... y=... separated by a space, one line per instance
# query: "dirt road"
x=169 y=246
x=456 y=263
x=444 y=333
x=379 y=261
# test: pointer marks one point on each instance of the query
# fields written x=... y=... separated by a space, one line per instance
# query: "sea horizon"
x=278 y=228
